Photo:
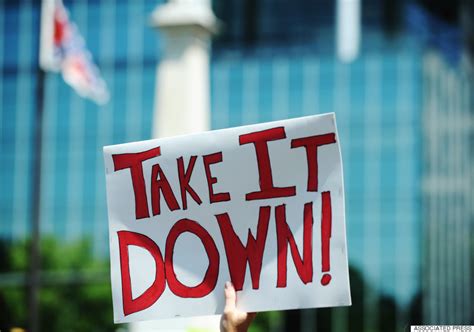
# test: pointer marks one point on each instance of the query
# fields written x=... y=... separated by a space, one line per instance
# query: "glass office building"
x=273 y=60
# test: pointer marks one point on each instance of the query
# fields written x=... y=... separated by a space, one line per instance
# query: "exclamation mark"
x=326 y=221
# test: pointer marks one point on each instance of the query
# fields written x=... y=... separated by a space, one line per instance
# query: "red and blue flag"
x=63 y=49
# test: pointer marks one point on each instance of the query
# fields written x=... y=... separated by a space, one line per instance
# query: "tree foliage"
x=75 y=293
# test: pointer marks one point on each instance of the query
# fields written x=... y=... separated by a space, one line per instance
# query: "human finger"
x=230 y=296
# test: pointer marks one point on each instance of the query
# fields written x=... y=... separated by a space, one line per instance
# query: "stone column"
x=182 y=77
x=182 y=99
x=348 y=29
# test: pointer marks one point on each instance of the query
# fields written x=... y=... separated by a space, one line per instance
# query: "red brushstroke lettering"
x=159 y=183
x=304 y=266
x=311 y=145
x=210 y=278
x=209 y=160
x=260 y=140
x=153 y=293
x=238 y=255
x=184 y=178
x=134 y=162
x=326 y=230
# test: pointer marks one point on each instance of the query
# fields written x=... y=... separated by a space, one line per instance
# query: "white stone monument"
x=182 y=97
x=182 y=77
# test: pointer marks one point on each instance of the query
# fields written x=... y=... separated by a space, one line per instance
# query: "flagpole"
x=46 y=61
x=33 y=277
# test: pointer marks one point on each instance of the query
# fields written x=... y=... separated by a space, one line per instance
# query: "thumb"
x=229 y=293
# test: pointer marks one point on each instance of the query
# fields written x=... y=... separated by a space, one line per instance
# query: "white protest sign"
x=260 y=205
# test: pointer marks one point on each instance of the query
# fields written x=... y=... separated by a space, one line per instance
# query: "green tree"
x=75 y=293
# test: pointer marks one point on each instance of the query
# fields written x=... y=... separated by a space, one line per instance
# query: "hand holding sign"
x=234 y=320
x=261 y=205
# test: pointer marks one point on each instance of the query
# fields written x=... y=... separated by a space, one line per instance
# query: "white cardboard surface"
x=237 y=174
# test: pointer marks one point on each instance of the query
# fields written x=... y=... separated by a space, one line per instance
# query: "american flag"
x=63 y=49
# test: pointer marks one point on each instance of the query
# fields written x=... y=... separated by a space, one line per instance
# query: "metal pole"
x=33 y=277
